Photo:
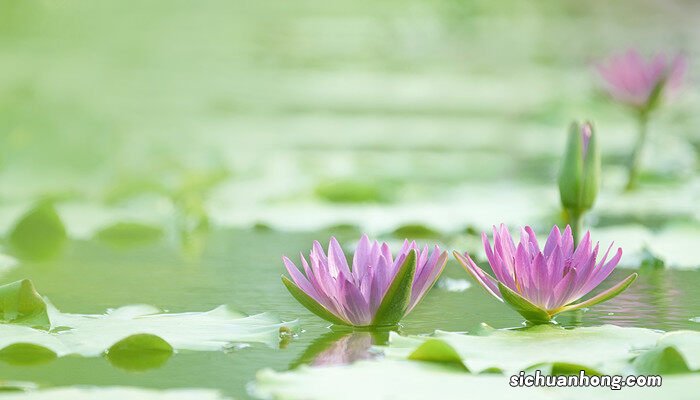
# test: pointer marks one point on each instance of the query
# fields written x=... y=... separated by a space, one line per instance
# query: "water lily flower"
x=579 y=178
x=632 y=80
x=641 y=84
x=377 y=290
x=539 y=284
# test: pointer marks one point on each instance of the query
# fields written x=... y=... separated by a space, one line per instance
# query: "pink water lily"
x=632 y=80
x=376 y=290
x=540 y=283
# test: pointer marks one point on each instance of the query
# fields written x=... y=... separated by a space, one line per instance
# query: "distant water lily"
x=377 y=290
x=641 y=84
x=542 y=283
x=632 y=80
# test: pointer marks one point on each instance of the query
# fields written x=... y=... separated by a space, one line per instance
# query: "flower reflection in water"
x=342 y=347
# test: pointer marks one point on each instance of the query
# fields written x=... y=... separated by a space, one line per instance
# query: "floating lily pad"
x=602 y=348
x=21 y=304
x=140 y=352
x=144 y=328
x=661 y=361
x=129 y=234
x=352 y=191
x=409 y=380
x=416 y=231
x=39 y=234
x=114 y=393
x=26 y=354
x=685 y=346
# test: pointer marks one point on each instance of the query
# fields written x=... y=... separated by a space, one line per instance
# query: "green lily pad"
x=687 y=345
x=130 y=234
x=21 y=304
x=115 y=393
x=406 y=380
x=434 y=350
x=145 y=328
x=662 y=360
x=352 y=191
x=39 y=234
x=604 y=348
x=416 y=231
x=139 y=352
x=26 y=354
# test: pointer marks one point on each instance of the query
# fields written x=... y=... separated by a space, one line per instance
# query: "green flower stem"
x=635 y=158
x=576 y=223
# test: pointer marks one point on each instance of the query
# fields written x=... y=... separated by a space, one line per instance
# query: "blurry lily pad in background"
x=129 y=234
x=114 y=393
x=354 y=191
x=39 y=234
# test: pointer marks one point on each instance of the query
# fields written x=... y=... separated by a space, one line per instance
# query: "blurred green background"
x=172 y=151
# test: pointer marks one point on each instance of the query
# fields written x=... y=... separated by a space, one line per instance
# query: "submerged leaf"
x=21 y=304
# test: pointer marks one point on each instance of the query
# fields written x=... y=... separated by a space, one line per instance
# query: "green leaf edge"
x=437 y=351
x=22 y=294
x=661 y=360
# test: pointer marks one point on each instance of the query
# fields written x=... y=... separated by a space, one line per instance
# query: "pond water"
x=242 y=268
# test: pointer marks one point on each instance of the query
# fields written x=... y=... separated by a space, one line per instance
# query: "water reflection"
x=655 y=300
x=342 y=346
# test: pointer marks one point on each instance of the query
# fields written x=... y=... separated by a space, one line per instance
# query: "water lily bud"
x=579 y=178
x=640 y=83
